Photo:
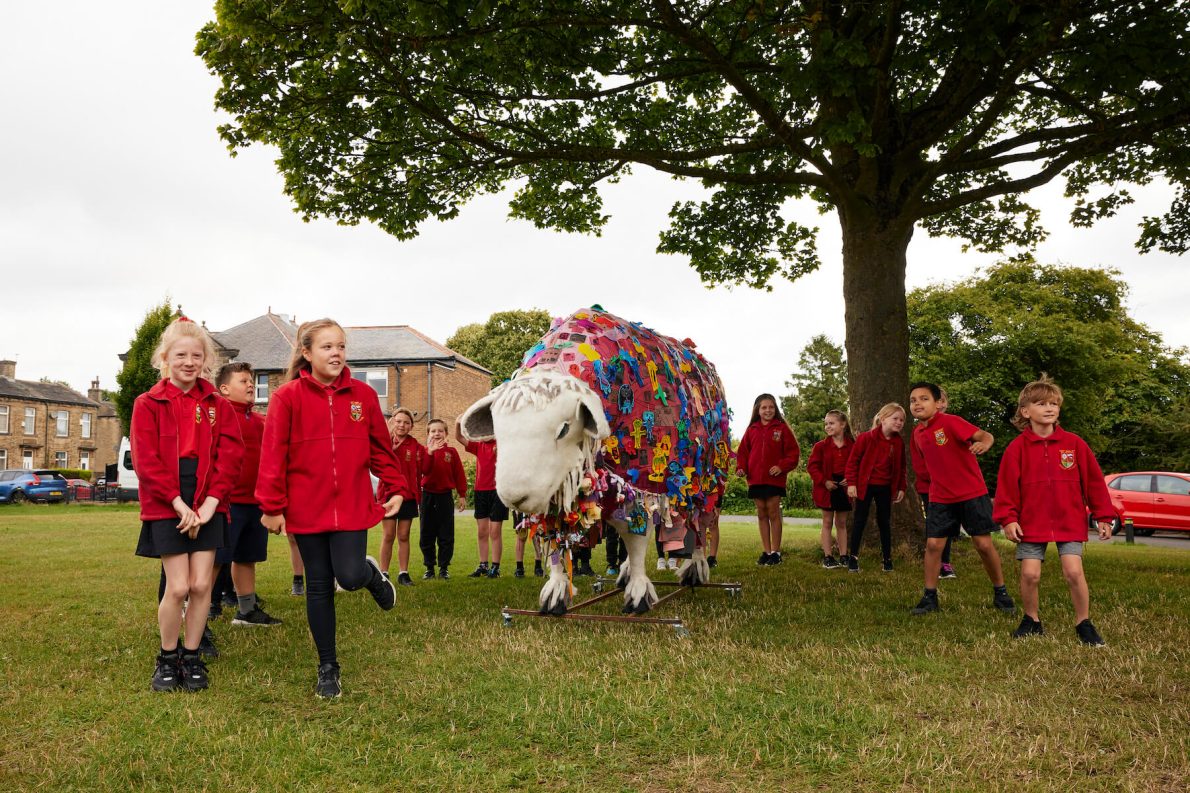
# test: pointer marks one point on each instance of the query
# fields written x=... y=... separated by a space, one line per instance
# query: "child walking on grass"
x=187 y=452
x=323 y=434
x=1048 y=480
x=766 y=455
x=827 y=466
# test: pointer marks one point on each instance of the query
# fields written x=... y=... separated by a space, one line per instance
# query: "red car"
x=1155 y=500
x=80 y=489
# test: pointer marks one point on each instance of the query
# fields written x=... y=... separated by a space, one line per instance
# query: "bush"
x=76 y=473
x=799 y=494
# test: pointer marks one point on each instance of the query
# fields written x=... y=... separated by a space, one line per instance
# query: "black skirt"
x=765 y=491
x=161 y=537
x=839 y=500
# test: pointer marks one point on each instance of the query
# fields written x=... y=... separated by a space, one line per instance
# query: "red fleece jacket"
x=763 y=446
x=251 y=430
x=863 y=460
x=822 y=465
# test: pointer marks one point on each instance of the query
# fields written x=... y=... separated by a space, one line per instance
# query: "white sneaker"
x=337 y=587
x=661 y=565
x=673 y=563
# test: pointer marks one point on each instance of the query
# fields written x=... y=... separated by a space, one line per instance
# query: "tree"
x=893 y=115
x=987 y=336
x=139 y=374
x=500 y=343
x=819 y=385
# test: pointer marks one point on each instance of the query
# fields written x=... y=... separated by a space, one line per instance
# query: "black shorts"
x=161 y=537
x=408 y=510
x=247 y=538
x=765 y=491
x=839 y=500
x=488 y=505
x=974 y=515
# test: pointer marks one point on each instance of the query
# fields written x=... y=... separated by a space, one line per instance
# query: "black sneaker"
x=193 y=671
x=520 y=572
x=444 y=574
x=1088 y=635
x=328 y=686
x=494 y=571
x=206 y=645
x=165 y=676
x=215 y=611
x=428 y=574
x=404 y=580
x=380 y=587
x=259 y=602
x=712 y=562
x=1028 y=627
x=480 y=572
x=887 y=567
x=927 y=604
x=1004 y=602
x=299 y=588
x=537 y=571
x=230 y=601
x=829 y=563
x=257 y=617
x=775 y=558
x=853 y=564
x=763 y=561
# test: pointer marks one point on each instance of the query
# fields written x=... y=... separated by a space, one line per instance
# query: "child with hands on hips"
x=187 y=452
x=324 y=432
x=1048 y=480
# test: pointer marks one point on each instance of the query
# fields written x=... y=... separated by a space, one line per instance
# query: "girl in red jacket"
x=187 y=452
x=876 y=472
x=1048 y=479
x=411 y=457
x=827 y=466
x=323 y=433
x=766 y=455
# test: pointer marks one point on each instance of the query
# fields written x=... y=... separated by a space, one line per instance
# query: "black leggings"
x=617 y=550
x=882 y=495
x=329 y=556
x=436 y=533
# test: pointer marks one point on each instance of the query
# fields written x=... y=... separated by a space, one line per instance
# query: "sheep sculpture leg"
x=695 y=570
x=555 y=596
x=639 y=593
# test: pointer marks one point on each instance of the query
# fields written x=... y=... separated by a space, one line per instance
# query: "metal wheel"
x=597 y=587
x=18 y=496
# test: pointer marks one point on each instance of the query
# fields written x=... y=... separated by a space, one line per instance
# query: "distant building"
x=404 y=366
x=48 y=425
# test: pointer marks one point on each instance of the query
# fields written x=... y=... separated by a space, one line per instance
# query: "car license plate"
x=55 y=492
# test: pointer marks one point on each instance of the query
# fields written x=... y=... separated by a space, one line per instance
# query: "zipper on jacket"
x=330 y=403
x=1049 y=477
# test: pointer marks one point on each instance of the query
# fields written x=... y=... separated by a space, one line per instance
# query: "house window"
x=85 y=461
x=262 y=388
x=377 y=378
x=30 y=421
x=85 y=425
x=27 y=458
x=63 y=422
x=4 y=419
x=59 y=459
x=3 y=459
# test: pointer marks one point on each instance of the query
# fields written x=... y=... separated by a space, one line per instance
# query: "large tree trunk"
x=878 y=341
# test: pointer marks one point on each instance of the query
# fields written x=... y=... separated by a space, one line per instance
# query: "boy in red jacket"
x=944 y=447
x=1048 y=479
x=443 y=473
x=248 y=540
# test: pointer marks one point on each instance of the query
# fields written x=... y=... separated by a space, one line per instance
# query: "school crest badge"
x=198 y=414
x=448 y=457
x=776 y=436
x=1066 y=458
x=211 y=415
x=940 y=437
x=357 y=411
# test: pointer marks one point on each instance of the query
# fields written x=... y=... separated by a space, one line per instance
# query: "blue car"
x=20 y=484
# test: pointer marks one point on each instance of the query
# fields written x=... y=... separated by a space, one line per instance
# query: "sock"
x=931 y=593
x=247 y=602
x=495 y=565
x=520 y=565
x=297 y=579
x=168 y=653
x=483 y=565
x=1000 y=590
x=404 y=572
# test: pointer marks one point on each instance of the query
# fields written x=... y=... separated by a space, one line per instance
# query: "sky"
x=117 y=192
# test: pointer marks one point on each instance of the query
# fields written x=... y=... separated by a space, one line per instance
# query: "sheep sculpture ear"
x=477 y=421
x=590 y=412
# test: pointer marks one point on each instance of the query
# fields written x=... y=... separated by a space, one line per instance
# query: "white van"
x=128 y=487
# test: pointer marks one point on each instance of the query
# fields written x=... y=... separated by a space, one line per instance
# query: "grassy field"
x=813 y=680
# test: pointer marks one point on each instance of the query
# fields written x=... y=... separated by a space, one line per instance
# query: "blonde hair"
x=182 y=328
x=885 y=412
x=305 y=340
x=1041 y=388
x=392 y=425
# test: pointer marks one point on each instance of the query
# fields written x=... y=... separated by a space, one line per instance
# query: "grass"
x=814 y=679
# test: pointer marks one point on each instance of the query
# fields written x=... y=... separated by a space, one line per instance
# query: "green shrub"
x=798 y=494
x=76 y=473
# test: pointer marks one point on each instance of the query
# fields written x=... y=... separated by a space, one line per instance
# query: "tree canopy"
x=139 y=374
x=500 y=343
x=819 y=384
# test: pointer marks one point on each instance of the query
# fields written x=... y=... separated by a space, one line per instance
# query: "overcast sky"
x=118 y=192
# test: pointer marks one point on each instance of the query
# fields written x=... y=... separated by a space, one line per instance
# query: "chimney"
x=93 y=393
x=8 y=369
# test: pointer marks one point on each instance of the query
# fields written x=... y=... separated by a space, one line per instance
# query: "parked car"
x=1154 y=500
x=22 y=483
x=80 y=489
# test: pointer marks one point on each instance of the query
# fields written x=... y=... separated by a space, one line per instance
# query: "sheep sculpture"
x=606 y=419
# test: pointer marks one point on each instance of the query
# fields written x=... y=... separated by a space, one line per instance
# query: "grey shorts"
x=1036 y=550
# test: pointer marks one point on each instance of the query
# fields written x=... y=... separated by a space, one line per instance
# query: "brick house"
x=48 y=425
x=406 y=367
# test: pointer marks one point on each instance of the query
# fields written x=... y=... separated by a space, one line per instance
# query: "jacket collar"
x=342 y=382
x=1032 y=437
x=162 y=391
